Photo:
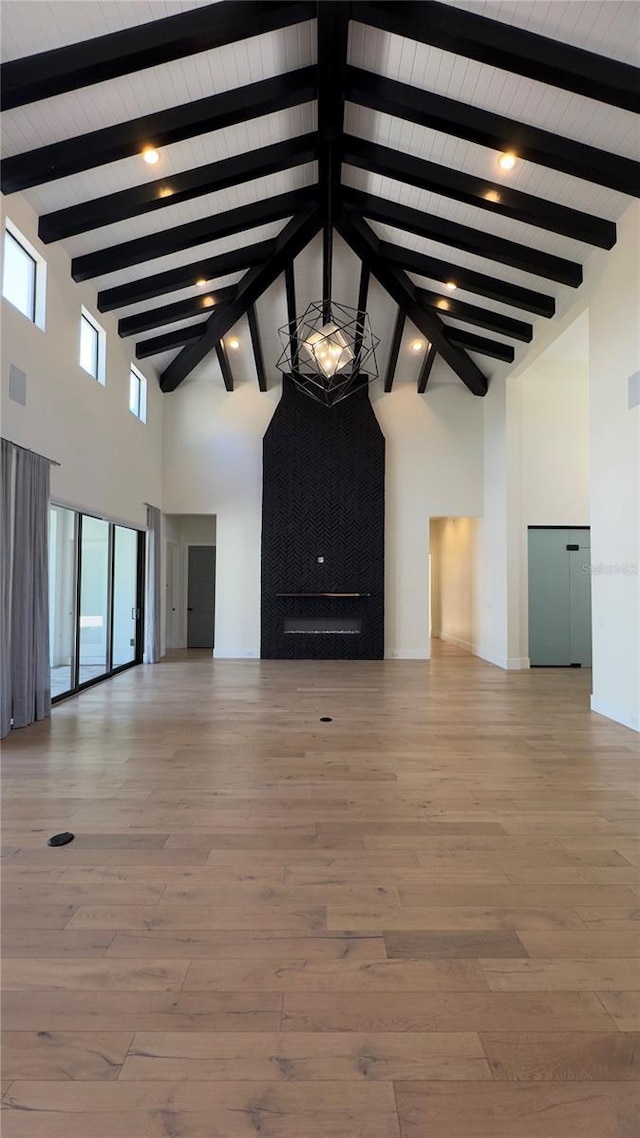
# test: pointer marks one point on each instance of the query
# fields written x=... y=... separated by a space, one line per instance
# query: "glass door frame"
x=109 y=671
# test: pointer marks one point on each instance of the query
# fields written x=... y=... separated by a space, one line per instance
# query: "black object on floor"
x=326 y=719
x=61 y=839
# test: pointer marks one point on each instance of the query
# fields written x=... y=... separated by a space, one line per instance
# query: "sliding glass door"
x=62 y=599
x=93 y=626
x=96 y=571
x=126 y=604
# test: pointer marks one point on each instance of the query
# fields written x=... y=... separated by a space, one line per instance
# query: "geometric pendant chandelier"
x=330 y=352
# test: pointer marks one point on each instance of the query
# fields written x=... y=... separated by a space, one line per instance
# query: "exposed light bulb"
x=151 y=155
x=165 y=192
x=451 y=285
x=507 y=160
x=208 y=302
x=416 y=345
x=233 y=344
x=492 y=196
x=201 y=282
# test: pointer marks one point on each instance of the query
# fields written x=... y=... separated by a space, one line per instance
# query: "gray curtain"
x=7 y=458
x=30 y=675
x=152 y=606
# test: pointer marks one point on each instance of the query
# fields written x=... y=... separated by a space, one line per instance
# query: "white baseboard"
x=507 y=663
x=408 y=654
x=236 y=653
x=615 y=713
x=464 y=644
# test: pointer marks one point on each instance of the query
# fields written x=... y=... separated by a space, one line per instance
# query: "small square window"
x=138 y=394
x=92 y=346
x=24 y=276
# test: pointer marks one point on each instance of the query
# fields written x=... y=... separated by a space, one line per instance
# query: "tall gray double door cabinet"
x=559 y=597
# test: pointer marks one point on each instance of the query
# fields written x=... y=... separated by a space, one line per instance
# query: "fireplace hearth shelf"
x=323 y=594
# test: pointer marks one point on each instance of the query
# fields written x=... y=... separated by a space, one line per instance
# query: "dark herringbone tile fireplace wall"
x=323 y=530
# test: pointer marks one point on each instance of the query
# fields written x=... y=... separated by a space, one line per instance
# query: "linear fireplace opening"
x=322 y=626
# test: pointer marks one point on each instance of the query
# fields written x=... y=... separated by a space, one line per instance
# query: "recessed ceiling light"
x=234 y=344
x=451 y=285
x=151 y=155
x=507 y=160
x=416 y=345
x=201 y=282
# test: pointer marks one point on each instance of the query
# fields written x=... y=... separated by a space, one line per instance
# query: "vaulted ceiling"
x=309 y=150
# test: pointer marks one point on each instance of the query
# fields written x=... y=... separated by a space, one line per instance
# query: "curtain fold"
x=153 y=592
x=7 y=458
x=30 y=669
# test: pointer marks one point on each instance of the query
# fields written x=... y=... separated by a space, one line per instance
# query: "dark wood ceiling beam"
x=481 y=317
x=333 y=38
x=510 y=48
x=225 y=366
x=124 y=140
x=290 y=242
x=394 y=351
x=363 y=294
x=492 y=196
x=192 y=234
x=185 y=276
x=169 y=313
x=292 y=319
x=495 y=131
x=425 y=370
x=476 y=241
x=174 y=339
x=364 y=243
x=480 y=344
x=178 y=188
x=149 y=44
x=256 y=344
x=468 y=279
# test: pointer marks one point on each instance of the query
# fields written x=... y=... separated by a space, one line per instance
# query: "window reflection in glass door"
x=62 y=598
x=93 y=638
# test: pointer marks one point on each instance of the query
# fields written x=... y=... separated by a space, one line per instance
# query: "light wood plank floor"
x=419 y=920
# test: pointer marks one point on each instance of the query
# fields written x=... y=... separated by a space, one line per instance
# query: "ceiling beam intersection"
x=292 y=240
x=207 y=270
x=475 y=241
x=364 y=243
x=191 y=234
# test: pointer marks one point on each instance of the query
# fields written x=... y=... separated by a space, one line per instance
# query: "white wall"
x=110 y=463
x=213 y=465
x=453 y=581
x=614 y=355
x=554 y=453
x=497 y=548
x=434 y=468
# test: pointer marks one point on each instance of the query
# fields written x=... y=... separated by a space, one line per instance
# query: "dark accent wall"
x=323 y=496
